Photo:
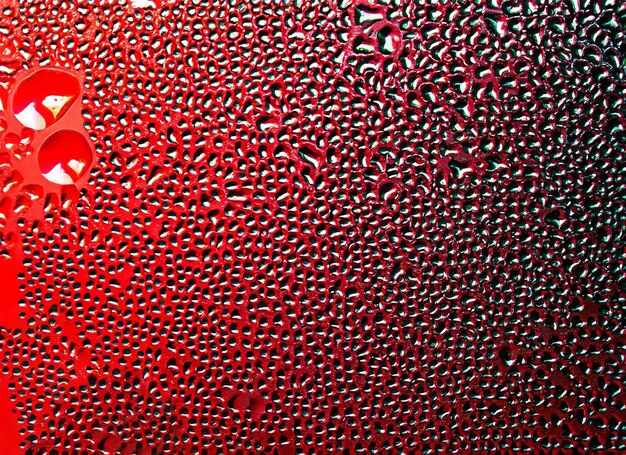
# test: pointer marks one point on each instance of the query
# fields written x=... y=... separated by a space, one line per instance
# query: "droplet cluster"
x=339 y=226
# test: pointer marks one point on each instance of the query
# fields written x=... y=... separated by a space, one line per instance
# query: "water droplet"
x=496 y=23
x=429 y=92
x=28 y=195
x=310 y=155
x=506 y=356
x=5 y=210
x=11 y=140
x=388 y=191
x=555 y=217
x=267 y=122
x=12 y=181
x=366 y=14
x=5 y=161
x=44 y=97
x=460 y=167
x=64 y=157
x=389 y=40
x=28 y=134
x=143 y=4
x=363 y=45
x=33 y=192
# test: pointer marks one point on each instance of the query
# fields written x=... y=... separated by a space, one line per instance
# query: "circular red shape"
x=44 y=97
x=65 y=157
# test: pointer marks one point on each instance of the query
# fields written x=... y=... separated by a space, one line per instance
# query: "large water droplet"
x=365 y=14
x=44 y=97
x=389 y=40
x=65 y=157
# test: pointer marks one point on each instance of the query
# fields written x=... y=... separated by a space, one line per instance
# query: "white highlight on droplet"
x=58 y=175
x=30 y=118
x=76 y=166
x=54 y=103
x=143 y=4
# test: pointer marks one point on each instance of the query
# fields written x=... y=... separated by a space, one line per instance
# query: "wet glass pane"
x=307 y=227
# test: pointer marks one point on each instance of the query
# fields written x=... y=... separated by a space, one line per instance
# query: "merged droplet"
x=389 y=39
x=64 y=157
x=44 y=97
x=310 y=155
x=365 y=14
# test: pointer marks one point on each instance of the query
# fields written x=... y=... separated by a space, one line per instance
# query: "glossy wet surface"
x=310 y=227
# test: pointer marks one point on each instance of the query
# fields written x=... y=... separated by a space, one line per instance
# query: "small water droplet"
x=5 y=161
x=4 y=94
x=28 y=134
x=388 y=191
x=110 y=444
x=13 y=181
x=26 y=197
x=363 y=45
x=11 y=140
x=428 y=91
x=310 y=155
x=506 y=356
x=33 y=192
x=460 y=167
x=497 y=23
x=267 y=122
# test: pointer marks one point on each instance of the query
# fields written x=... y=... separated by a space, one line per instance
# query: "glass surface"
x=312 y=227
